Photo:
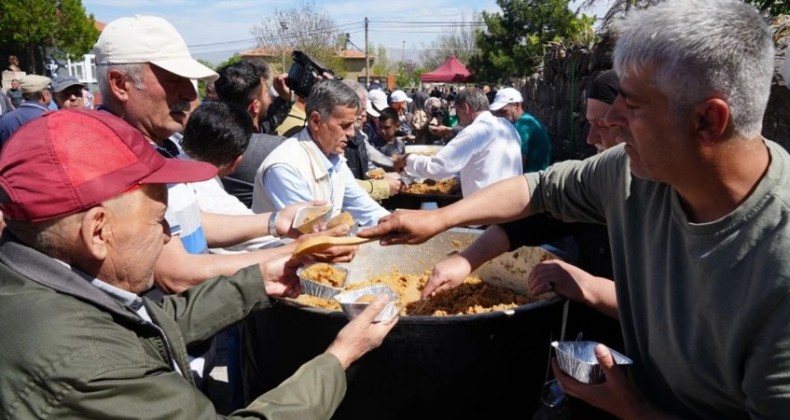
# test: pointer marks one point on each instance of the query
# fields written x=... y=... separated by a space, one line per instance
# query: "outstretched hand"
x=362 y=334
x=446 y=275
x=406 y=227
x=279 y=276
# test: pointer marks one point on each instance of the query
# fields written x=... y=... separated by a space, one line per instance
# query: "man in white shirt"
x=487 y=150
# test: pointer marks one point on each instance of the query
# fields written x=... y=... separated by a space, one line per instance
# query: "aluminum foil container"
x=321 y=290
x=352 y=308
x=307 y=217
x=577 y=359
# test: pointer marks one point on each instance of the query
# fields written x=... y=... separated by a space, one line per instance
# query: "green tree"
x=38 y=29
x=458 y=40
x=304 y=27
x=202 y=83
x=382 y=65
x=231 y=60
x=619 y=8
x=771 y=7
x=512 y=43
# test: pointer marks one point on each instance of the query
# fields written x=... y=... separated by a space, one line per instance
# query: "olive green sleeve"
x=378 y=189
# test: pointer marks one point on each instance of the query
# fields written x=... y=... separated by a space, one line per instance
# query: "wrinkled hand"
x=279 y=276
x=395 y=183
x=362 y=335
x=335 y=254
x=406 y=227
x=287 y=215
x=617 y=395
x=447 y=274
x=558 y=276
x=281 y=86
x=399 y=162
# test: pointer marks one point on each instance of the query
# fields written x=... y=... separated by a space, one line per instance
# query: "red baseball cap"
x=68 y=161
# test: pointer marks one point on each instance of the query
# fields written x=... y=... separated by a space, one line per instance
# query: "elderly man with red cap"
x=84 y=232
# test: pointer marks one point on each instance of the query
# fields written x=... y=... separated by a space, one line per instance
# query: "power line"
x=377 y=26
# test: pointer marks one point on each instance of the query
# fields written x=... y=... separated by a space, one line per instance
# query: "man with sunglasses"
x=67 y=91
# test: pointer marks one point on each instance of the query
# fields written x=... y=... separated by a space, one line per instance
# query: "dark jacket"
x=241 y=182
x=70 y=351
x=357 y=156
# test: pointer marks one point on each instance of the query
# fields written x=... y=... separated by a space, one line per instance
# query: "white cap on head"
x=149 y=39
x=378 y=99
x=370 y=110
x=399 y=96
x=32 y=83
x=504 y=97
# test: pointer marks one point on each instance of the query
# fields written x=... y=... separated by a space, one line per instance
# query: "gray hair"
x=703 y=48
x=328 y=94
x=473 y=97
x=360 y=90
x=132 y=71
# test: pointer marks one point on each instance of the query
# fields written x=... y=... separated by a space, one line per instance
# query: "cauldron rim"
x=450 y=319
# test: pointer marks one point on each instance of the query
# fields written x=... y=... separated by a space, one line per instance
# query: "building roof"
x=261 y=52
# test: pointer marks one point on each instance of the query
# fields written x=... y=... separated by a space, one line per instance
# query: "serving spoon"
x=320 y=243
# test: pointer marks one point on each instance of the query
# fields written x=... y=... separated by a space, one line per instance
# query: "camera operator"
x=431 y=115
x=246 y=84
x=302 y=75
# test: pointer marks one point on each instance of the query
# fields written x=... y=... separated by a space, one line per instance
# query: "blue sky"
x=214 y=30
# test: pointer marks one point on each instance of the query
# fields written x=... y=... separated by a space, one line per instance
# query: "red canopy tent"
x=451 y=71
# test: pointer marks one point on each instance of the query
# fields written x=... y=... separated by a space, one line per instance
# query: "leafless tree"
x=459 y=40
x=304 y=27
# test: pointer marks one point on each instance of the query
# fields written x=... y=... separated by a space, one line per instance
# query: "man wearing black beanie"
x=600 y=97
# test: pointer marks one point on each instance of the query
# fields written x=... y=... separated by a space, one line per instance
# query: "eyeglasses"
x=71 y=91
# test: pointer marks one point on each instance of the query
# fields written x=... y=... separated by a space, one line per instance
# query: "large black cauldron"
x=487 y=366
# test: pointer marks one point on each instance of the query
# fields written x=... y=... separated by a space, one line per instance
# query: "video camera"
x=438 y=113
x=304 y=73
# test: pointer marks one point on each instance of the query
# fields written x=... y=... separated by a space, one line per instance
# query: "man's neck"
x=115 y=110
x=725 y=181
x=315 y=141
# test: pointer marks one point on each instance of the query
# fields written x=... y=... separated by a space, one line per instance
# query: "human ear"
x=255 y=107
x=315 y=118
x=95 y=232
x=120 y=84
x=712 y=120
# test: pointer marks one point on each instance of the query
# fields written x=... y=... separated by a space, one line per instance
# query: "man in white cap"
x=145 y=72
x=535 y=141
x=35 y=91
x=400 y=102
x=378 y=103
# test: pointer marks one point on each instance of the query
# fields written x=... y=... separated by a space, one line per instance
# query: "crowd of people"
x=138 y=234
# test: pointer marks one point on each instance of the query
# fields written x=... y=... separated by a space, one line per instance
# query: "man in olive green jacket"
x=84 y=231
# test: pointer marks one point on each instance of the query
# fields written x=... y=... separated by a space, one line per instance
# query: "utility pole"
x=284 y=27
x=403 y=53
x=367 y=58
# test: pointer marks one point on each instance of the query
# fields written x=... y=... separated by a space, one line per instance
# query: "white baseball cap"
x=399 y=96
x=149 y=39
x=506 y=96
x=378 y=99
x=370 y=110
